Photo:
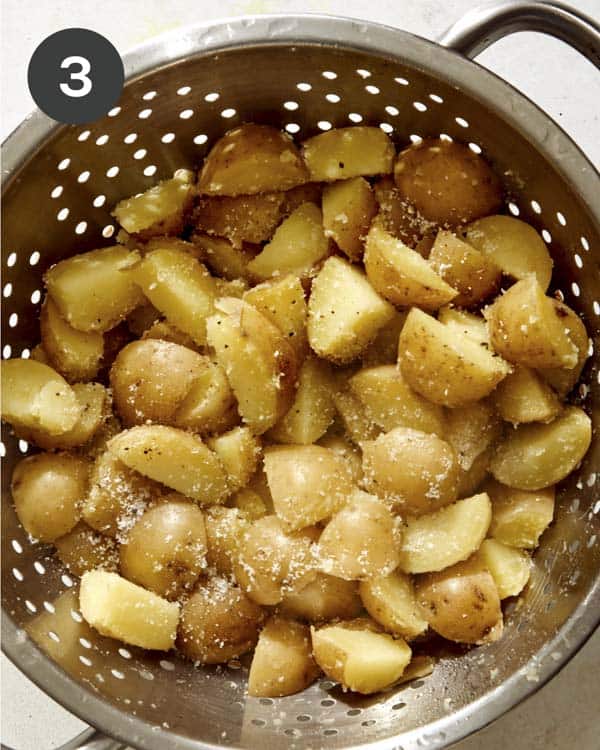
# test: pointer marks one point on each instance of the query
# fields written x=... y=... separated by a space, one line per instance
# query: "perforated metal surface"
x=57 y=202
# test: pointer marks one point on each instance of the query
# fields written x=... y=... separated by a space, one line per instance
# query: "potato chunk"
x=446 y=368
x=325 y=598
x=401 y=219
x=560 y=378
x=360 y=658
x=308 y=484
x=519 y=518
x=119 y=609
x=346 y=451
x=282 y=663
x=451 y=534
x=244 y=218
x=391 y=601
x=472 y=430
x=175 y=458
x=348 y=207
x=226 y=261
x=342 y=153
x=401 y=275
x=298 y=245
x=225 y=528
x=239 y=451
x=354 y=417
x=84 y=549
x=509 y=567
x=344 y=312
x=524 y=397
x=160 y=209
x=462 y=322
x=94 y=291
x=534 y=456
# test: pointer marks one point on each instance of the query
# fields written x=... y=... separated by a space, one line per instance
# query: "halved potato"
x=391 y=601
x=524 y=397
x=534 y=456
x=84 y=549
x=325 y=598
x=444 y=538
x=471 y=430
x=561 y=379
x=94 y=291
x=252 y=159
x=509 y=567
x=342 y=153
x=348 y=207
x=223 y=259
x=239 y=451
x=444 y=367
x=244 y=218
x=519 y=518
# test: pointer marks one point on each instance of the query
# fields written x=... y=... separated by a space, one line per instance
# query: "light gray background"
x=563 y=715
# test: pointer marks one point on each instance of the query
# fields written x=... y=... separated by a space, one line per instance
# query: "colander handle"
x=484 y=25
x=91 y=739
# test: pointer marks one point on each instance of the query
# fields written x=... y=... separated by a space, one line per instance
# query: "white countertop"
x=565 y=712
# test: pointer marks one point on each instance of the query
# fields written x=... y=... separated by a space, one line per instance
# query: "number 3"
x=80 y=75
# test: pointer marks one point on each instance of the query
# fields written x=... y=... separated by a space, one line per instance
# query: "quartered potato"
x=83 y=549
x=239 y=451
x=343 y=153
x=244 y=218
x=519 y=517
x=324 y=598
x=391 y=601
x=563 y=379
x=524 y=397
x=348 y=207
x=509 y=567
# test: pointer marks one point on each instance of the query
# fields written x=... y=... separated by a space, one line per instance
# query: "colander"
x=304 y=73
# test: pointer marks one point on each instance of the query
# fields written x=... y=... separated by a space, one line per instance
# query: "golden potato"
x=223 y=259
x=465 y=323
x=159 y=210
x=390 y=402
x=358 y=657
x=348 y=207
x=474 y=275
x=282 y=663
x=461 y=603
x=243 y=218
x=342 y=153
x=346 y=451
x=519 y=518
x=252 y=159
x=509 y=567
x=444 y=367
x=413 y=471
x=165 y=551
x=448 y=536
x=383 y=350
x=534 y=456
x=360 y=540
x=165 y=331
x=210 y=404
x=391 y=601
x=527 y=328
x=524 y=397
x=250 y=504
x=401 y=275
x=344 y=312
x=447 y=182
x=308 y=484
x=298 y=245
x=512 y=245
x=239 y=451
x=84 y=549
x=94 y=291
x=354 y=417
x=401 y=219
x=471 y=430
x=325 y=598
x=470 y=480
x=47 y=490
x=561 y=379
x=225 y=528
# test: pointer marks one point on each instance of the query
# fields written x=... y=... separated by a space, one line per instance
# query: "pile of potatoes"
x=312 y=404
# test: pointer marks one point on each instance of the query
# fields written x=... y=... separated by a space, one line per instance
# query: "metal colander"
x=304 y=74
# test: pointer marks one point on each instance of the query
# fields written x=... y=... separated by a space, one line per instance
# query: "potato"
x=444 y=367
x=362 y=660
x=223 y=259
x=239 y=451
x=471 y=430
x=391 y=601
x=348 y=207
x=313 y=408
x=413 y=471
x=561 y=379
x=534 y=456
x=354 y=417
x=282 y=663
x=151 y=378
x=401 y=275
x=260 y=485
x=325 y=598
x=75 y=354
x=298 y=245
x=210 y=404
x=244 y=218
x=447 y=182
x=175 y=458
x=527 y=328
x=271 y=562
x=470 y=480
x=401 y=219
x=282 y=302
x=359 y=542
x=524 y=397
x=117 y=496
x=250 y=504
x=34 y=396
x=252 y=159
x=180 y=287
x=47 y=491
x=345 y=450
x=343 y=153
x=474 y=275
x=344 y=312
x=83 y=549
x=519 y=518
x=94 y=291
x=164 y=331
x=159 y=210
x=259 y=363
x=225 y=528
x=119 y=609
x=465 y=323
x=461 y=603
x=441 y=539
x=165 y=551
x=308 y=484
x=512 y=245
x=389 y=401
x=509 y=567
x=234 y=288
x=383 y=350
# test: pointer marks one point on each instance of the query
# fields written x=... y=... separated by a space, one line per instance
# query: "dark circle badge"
x=75 y=76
